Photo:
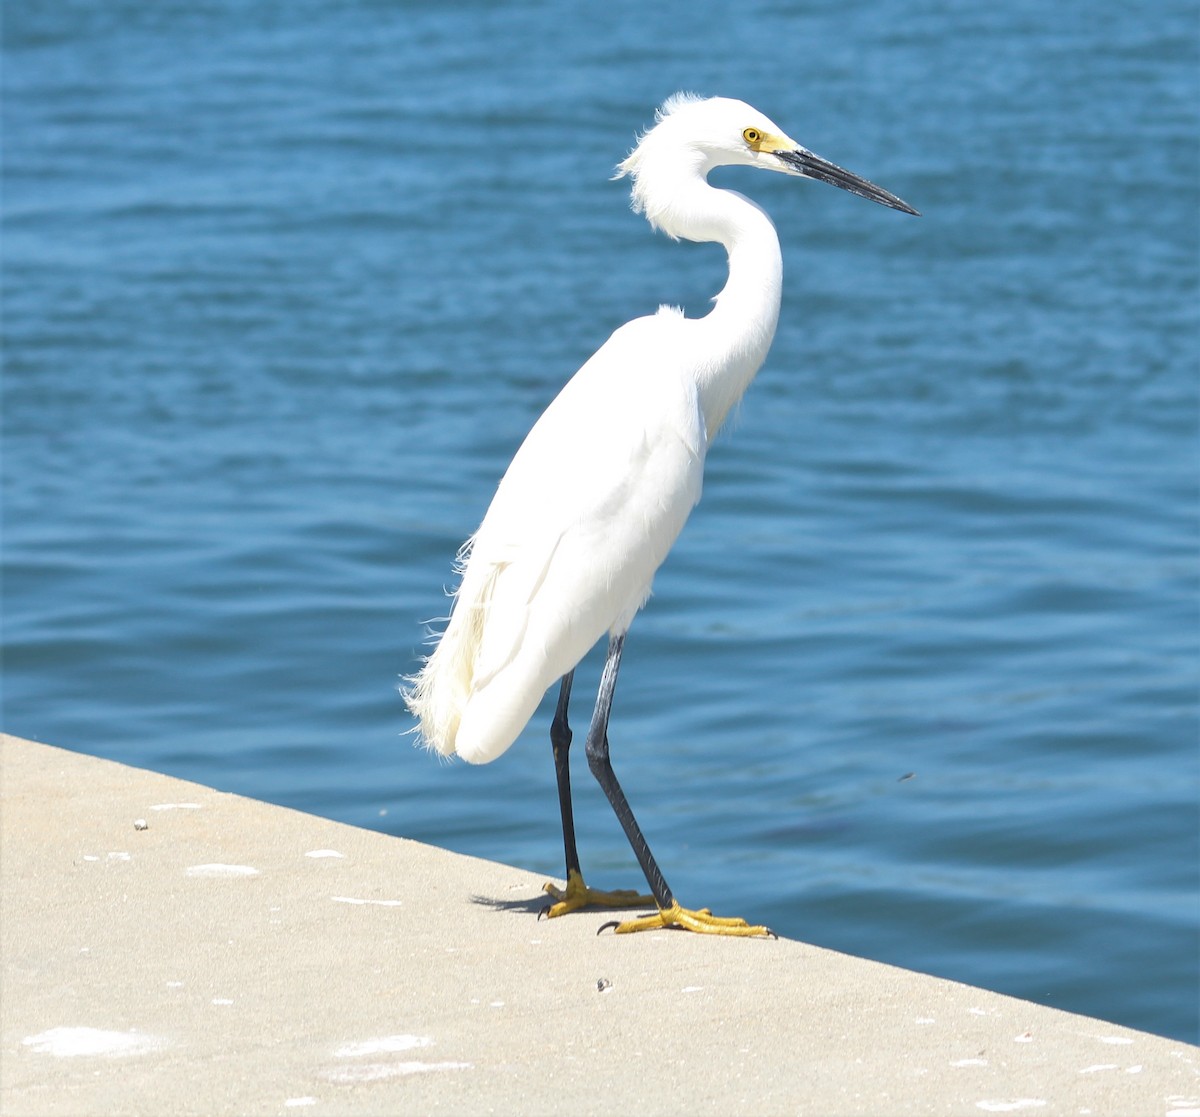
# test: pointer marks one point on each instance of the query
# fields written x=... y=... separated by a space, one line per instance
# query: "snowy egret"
x=603 y=483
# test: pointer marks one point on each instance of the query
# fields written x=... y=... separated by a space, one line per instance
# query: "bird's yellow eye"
x=752 y=136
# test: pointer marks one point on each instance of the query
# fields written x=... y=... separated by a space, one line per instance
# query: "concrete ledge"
x=234 y=957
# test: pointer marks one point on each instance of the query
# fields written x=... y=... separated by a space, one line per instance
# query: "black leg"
x=560 y=740
x=598 y=762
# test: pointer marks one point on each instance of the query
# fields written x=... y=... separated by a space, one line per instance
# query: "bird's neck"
x=736 y=334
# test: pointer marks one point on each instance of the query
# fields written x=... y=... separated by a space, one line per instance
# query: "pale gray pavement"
x=239 y=958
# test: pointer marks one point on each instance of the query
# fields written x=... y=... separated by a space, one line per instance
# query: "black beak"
x=805 y=163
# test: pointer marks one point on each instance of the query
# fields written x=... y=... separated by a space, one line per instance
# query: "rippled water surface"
x=285 y=285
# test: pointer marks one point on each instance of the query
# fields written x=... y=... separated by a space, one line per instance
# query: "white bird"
x=604 y=482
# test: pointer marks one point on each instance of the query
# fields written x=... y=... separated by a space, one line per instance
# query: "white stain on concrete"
x=175 y=807
x=381 y=1045
x=324 y=853
x=374 y=1072
x=66 y=1043
x=385 y=1045
x=377 y=903
x=1013 y=1105
x=218 y=870
x=1099 y=1066
x=969 y=1063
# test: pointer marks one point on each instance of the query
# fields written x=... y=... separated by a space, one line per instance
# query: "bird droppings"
x=120 y=855
x=218 y=870
x=1024 y=1037
x=316 y=853
x=377 y=903
x=1013 y=1106
x=222 y=1001
x=381 y=1045
x=1099 y=1066
x=692 y=989
x=376 y=1071
x=1181 y=1106
x=175 y=807
x=141 y=824
x=924 y=1020
x=1122 y=1040
x=66 y=1043
x=603 y=985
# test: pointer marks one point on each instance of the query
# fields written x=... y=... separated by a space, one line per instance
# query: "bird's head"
x=692 y=135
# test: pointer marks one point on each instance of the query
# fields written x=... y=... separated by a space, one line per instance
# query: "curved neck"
x=734 y=337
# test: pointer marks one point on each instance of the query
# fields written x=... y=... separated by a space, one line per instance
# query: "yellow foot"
x=703 y=922
x=578 y=895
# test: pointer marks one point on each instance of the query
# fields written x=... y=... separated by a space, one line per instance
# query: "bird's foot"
x=703 y=922
x=578 y=895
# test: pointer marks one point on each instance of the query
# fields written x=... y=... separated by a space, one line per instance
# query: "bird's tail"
x=437 y=695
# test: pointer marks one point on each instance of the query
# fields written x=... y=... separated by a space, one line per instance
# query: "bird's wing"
x=590 y=505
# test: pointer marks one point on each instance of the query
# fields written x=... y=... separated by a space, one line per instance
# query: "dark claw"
x=544 y=911
x=606 y=926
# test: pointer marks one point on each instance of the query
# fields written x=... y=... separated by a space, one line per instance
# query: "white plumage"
x=604 y=482
x=584 y=516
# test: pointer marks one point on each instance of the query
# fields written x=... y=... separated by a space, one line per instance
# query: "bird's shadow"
x=534 y=905
x=539 y=905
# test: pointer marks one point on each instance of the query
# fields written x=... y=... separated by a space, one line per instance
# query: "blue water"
x=285 y=285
